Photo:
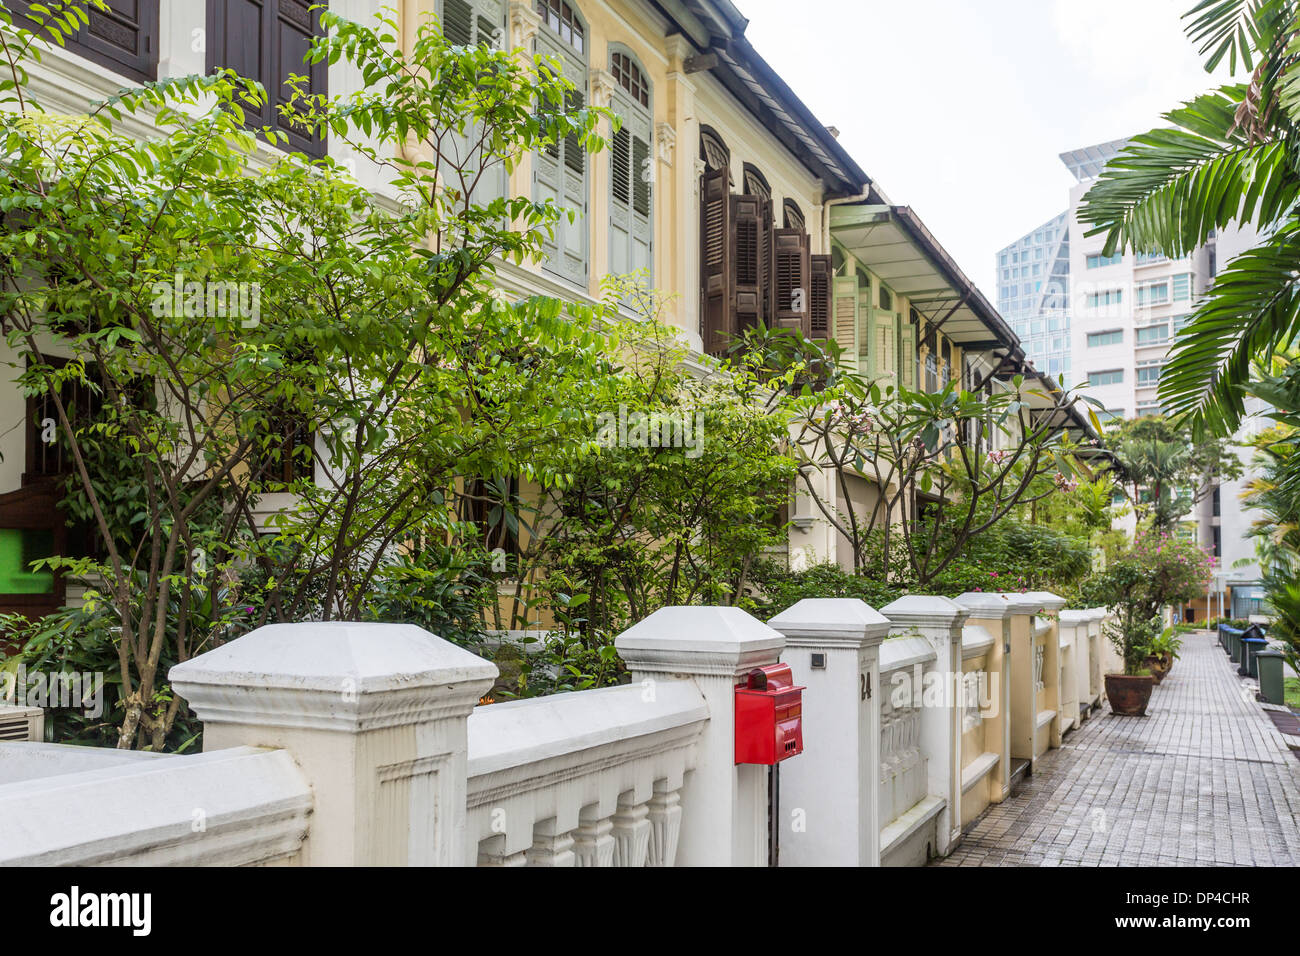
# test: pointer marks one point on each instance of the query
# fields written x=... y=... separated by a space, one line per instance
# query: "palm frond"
x=1235 y=29
x=1169 y=188
x=1253 y=306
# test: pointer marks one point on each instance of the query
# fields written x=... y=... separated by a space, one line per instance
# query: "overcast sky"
x=960 y=108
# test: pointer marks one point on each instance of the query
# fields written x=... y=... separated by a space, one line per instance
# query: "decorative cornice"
x=524 y=24
x=665 y=142
x=602 y=85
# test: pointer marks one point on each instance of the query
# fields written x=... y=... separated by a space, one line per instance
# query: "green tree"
x=1164 y=469
x=378 y=367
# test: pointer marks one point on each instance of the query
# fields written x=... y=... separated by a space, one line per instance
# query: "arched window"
x=560 y=170
x=756 y=183
x=792 y=216
x=631 y=168
x=714 y=151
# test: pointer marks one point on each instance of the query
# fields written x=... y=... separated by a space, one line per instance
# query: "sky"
x=960 y=108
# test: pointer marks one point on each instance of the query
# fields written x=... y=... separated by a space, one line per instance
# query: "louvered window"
x=820 y=297
x=631 y=170
x=560 y=169
x=466 y=161
x=715 y=259
x=123 y=38
x=792 y=266
x=267 y=40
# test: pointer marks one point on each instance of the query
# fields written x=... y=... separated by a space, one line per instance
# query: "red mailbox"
x=769 y=721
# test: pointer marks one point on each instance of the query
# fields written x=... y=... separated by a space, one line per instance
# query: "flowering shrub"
x=1158 y=570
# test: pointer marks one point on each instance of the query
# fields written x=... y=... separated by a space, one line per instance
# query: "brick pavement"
x=1204 y=779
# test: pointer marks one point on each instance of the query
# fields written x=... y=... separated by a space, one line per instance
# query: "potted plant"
x=1158 y=570
x=1164 y=651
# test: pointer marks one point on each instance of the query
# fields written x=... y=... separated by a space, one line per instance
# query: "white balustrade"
x=573 y=779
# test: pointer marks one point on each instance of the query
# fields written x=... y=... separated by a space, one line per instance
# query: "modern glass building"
x=1034 y=294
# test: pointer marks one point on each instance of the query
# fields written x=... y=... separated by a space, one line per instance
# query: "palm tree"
x=1230 y=156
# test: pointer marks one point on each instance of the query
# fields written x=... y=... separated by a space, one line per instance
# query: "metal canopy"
x=894 y=244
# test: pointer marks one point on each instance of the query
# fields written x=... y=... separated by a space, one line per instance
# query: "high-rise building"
x=1033 y=294
x=1106 y=323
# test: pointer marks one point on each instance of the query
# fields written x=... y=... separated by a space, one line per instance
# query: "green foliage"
x=1229 y=156
x=1165 y=469
x=1159 y=570
x=893 y=452
x=379 y=368
x=777 y=587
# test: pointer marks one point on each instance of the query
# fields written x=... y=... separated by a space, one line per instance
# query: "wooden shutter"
x=471 y=23
x=749 y=241
x=844 y=302
x=715 y=259
x=908 y=352
x=629 y=210
x=885 y=344
x=792 y=267
x=866 y=332
x=123 y=38
x=560 y=172
x=819 y=297
x=267 y=40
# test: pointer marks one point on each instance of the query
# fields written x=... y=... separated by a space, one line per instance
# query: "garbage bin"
x=1271 y=686
x=1234 y=644
x=1250 y=647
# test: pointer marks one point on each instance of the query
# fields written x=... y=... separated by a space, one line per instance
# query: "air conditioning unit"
x=21 y=723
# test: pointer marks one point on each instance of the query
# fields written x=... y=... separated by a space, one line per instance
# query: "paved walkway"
x=1204 y=779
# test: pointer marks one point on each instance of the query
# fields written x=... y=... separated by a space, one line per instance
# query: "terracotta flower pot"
x=1129 y=695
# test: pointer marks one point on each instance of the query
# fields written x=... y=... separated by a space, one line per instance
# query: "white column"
x=829 y=793
x=939 y=620
x=375 y=716
x=723 y=806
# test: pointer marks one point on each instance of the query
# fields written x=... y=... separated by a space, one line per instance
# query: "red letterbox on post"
x=769 y=721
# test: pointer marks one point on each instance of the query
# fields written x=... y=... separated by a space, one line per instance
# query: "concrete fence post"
x=993 y=612
x=374 y=714
x=939 y=620
x=829 y=793
x=724 y=806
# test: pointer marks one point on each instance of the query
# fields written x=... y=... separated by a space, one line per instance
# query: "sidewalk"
x=1204 y=779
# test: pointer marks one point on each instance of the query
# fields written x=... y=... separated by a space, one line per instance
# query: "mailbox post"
x=829 y=795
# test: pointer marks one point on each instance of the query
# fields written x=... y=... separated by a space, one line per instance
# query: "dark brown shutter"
x=792 y=266
x=819 y=297
x=749 y=261
x=123 y=38
x=715 y=259
x=267 y=40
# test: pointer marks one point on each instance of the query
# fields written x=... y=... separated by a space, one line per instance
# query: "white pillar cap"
x=335 y=675
x=831 y=622
x=1049 y=602
x=719 y=641
x=921 y=609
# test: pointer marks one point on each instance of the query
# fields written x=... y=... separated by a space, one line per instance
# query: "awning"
x=894 y=244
